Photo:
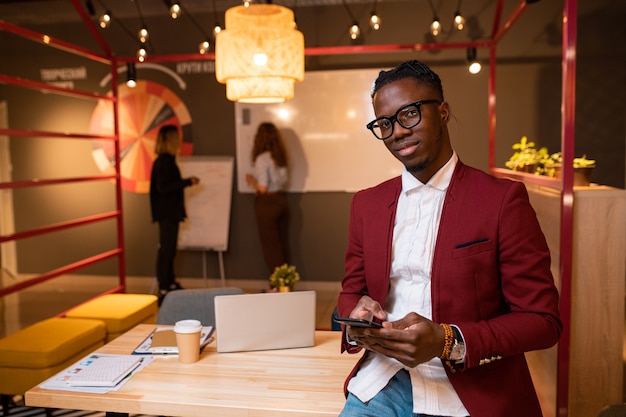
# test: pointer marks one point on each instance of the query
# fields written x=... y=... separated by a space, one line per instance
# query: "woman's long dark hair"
x=268 y=139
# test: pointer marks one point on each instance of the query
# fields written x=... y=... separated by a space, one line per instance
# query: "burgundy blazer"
x=490 y=276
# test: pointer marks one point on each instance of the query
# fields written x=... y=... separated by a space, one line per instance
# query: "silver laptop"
x=280 y=320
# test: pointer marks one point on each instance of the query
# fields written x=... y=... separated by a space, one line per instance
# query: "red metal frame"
x=36 y=85
x=37 y=183
x=59 y=226
x=53 y=42
x=117 y=213
x=566 y=185
x=567 y=199
x=329 y=50
x=92 y=28
x=498 y=32
x=118 y=177
x=66 y=270
x=491 y=107
x=23 y=132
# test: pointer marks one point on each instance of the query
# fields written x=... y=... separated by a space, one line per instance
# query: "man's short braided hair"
x=409 y=69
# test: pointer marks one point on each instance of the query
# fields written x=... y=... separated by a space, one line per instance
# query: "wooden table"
x=273 y=383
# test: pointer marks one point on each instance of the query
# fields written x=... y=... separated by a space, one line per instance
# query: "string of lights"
x=217 y=28
x=354 y=31
x=458 y=21
x=375 y=20
x=176 y=9
x=205 y=44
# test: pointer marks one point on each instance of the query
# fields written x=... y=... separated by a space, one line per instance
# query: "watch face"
x=458 y=351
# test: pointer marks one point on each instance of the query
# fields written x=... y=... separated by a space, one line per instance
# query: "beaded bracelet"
x=448 y=340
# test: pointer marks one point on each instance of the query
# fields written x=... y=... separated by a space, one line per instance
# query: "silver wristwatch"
x=457 y=353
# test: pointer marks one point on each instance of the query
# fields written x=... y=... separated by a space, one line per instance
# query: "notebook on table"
x=281 y=320
x=102 y=370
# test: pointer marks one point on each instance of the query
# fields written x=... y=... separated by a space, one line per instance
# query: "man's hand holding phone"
x=349 y=321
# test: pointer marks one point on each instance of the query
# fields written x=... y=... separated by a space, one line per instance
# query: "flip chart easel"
x=208 y=207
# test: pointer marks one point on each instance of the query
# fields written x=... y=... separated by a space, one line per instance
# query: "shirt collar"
x=441 y=179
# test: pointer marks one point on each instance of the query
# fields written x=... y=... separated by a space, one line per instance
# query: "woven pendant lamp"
x=260 y=54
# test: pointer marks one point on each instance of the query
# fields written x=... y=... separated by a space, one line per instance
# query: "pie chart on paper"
x=143 y=110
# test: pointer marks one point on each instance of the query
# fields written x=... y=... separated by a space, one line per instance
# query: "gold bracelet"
x=448 y=340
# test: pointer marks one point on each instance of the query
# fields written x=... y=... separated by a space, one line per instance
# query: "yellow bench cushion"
x=37 y=352
x=49 y=342
x=119 y=312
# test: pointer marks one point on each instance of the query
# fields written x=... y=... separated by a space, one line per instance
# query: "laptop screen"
x=265 y=321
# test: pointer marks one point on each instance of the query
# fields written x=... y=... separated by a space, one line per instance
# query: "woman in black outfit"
x=167 y=204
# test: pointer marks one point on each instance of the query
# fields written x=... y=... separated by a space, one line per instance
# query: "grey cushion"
x=192 y=304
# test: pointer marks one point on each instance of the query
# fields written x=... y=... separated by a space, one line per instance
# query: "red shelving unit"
x=117 y=252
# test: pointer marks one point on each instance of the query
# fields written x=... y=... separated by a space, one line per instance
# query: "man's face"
x=424 y=148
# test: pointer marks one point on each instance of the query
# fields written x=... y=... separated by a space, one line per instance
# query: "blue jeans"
x=395 y=400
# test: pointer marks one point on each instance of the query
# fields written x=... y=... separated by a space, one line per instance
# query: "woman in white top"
x=270 y=180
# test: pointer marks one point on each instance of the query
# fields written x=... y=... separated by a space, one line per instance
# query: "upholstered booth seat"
x=37 y=352
x=196 y=304
x=119 y=312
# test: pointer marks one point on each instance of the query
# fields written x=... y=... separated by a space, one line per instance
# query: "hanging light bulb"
x=375 y=21
x=459 y=21
x=435 y=27
x=217 y=29
x=474 y=65
x=131 y=75
x=355 y=31
x=175 y=10
x=105 y=20
x=143 y=34
x=203 y=48
x=142 y=53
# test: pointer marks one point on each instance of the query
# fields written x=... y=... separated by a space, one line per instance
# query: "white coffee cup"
x=188 y=340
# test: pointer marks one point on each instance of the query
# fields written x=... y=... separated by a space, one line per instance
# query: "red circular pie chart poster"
x=142 y=111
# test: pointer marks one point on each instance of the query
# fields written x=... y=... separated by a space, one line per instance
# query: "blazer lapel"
x=381 y=239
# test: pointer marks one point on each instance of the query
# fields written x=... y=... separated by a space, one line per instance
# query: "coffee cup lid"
x=187 y=326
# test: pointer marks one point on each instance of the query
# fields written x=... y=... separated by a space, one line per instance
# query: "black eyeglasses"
x=407 y=116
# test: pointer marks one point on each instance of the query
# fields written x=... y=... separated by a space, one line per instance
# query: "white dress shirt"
x=268 y=174
x=414 y=237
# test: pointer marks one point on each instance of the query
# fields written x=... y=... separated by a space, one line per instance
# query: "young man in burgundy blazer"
x=453 y=262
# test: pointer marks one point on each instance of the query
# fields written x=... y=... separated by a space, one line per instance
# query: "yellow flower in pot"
x=526 y=158
x=583 y=168
x=284 y=277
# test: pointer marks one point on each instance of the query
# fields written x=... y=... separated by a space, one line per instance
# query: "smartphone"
x=357 y=322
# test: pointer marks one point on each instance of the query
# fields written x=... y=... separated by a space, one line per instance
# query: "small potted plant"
x=526 y=158
x=583 y=168
x=284 y=278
